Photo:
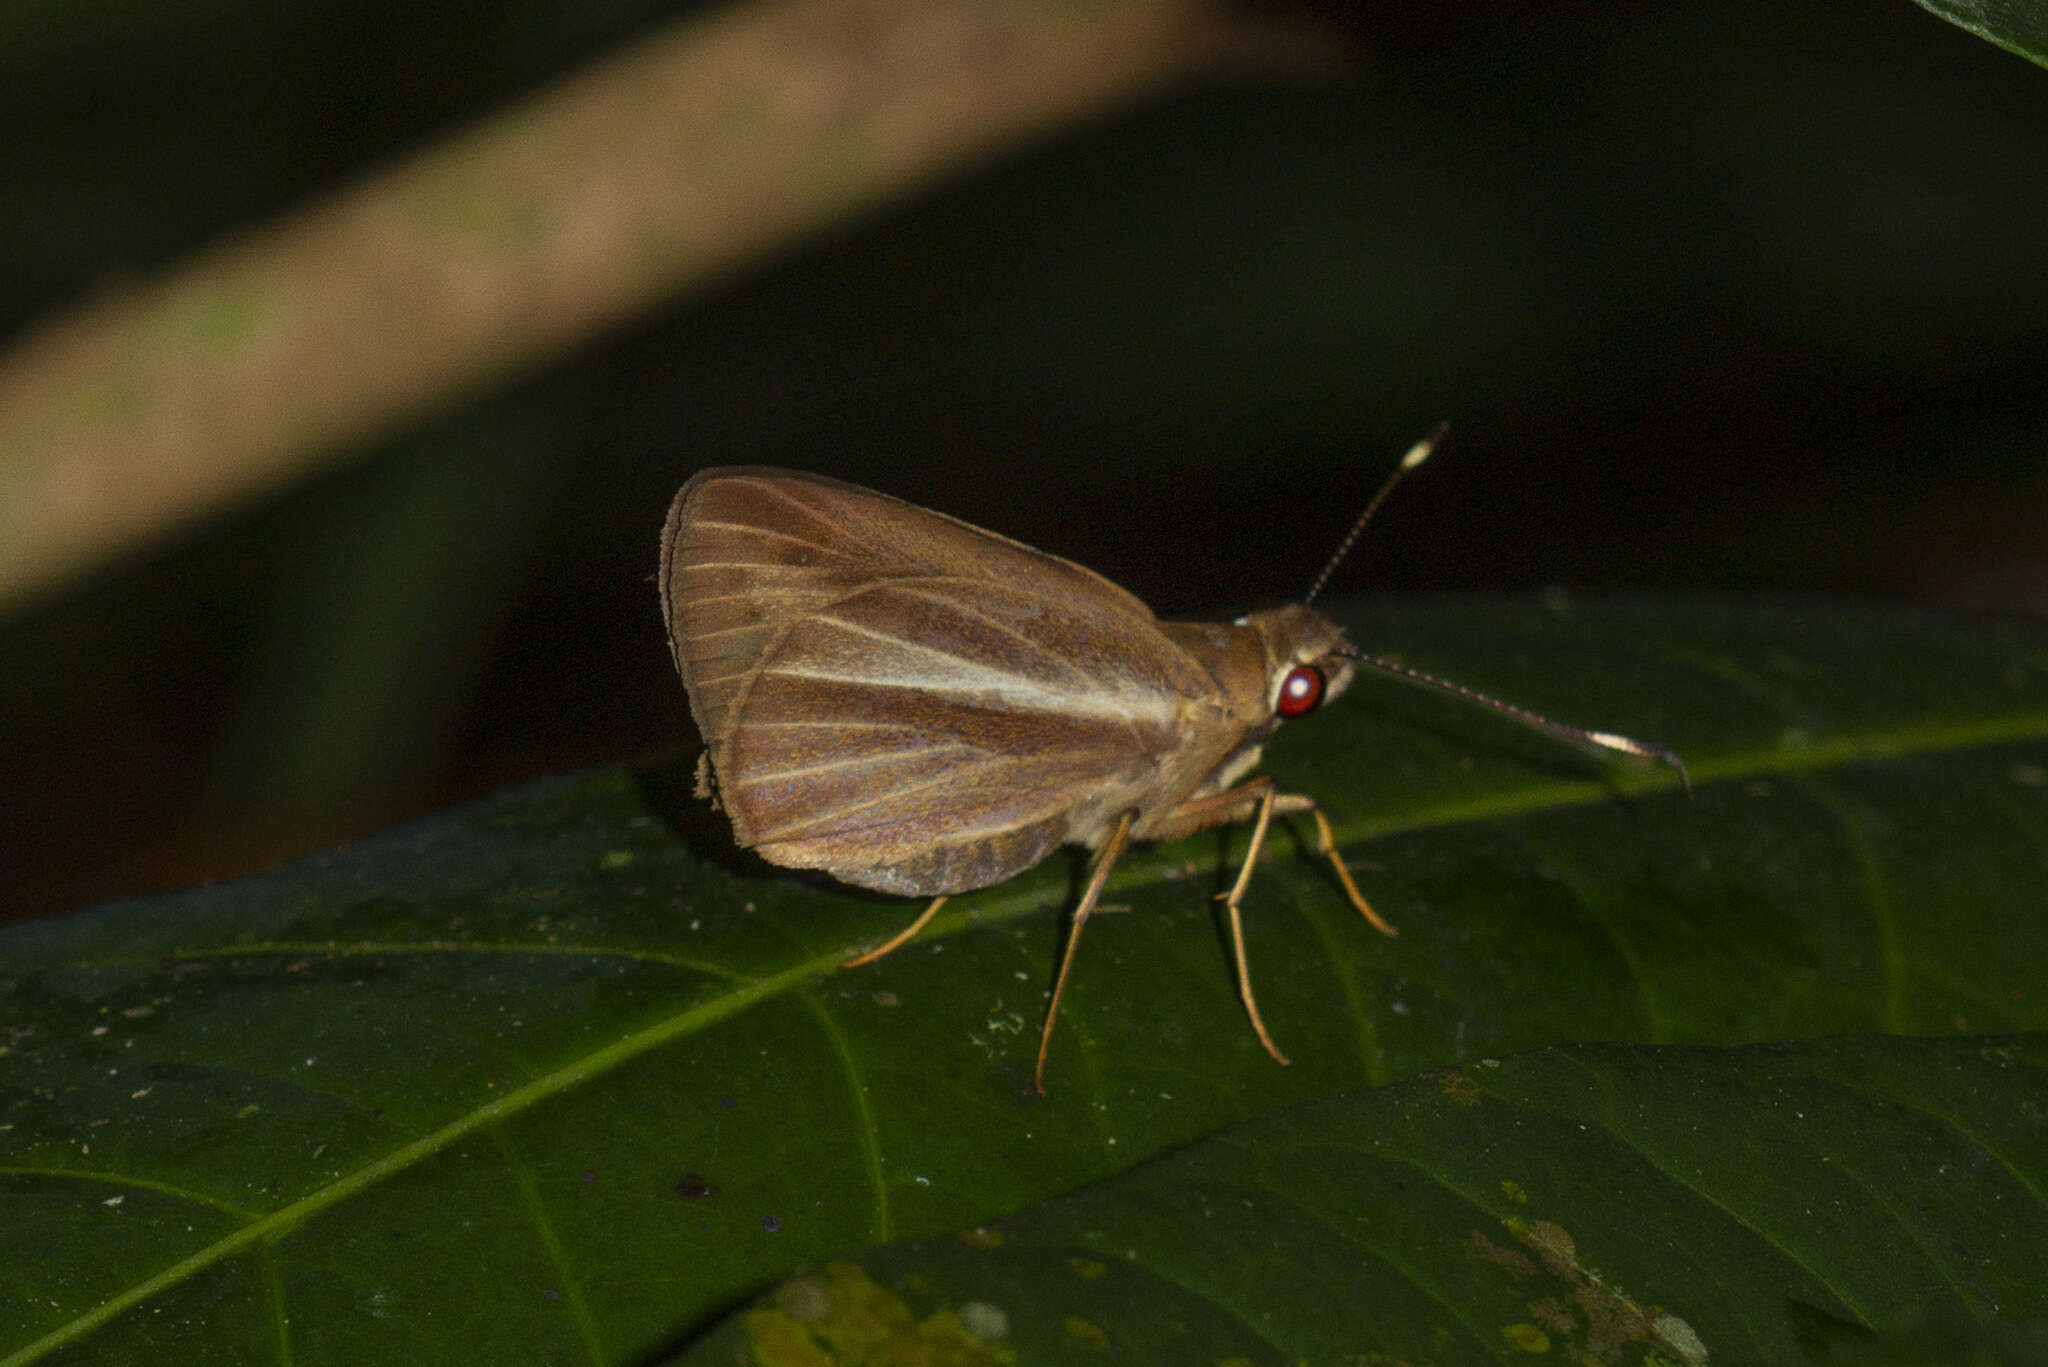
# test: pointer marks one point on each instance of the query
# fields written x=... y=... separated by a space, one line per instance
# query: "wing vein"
x=967 y=610
x=856 y=761
x=833 y=725
x=808 y=510
x=690 y=565
x=837 y=814
x=904 y=643
x=755 y=528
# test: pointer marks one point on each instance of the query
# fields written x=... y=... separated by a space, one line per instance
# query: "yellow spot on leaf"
x=1086 y=1268
x=981 y=1236
x=1513 y=1191
x=847 y=1319
x=1459 y=1088
x=1588 y=1320
x=1087 y=1331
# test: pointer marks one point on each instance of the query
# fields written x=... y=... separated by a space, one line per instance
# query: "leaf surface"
x=560 y=1076
x=1607 y=1203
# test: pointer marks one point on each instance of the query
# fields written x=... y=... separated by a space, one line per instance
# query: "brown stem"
x=672 y=163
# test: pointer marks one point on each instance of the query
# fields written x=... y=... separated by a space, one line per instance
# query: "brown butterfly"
x=918 y=706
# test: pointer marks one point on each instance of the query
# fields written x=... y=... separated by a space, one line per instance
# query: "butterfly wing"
x=903 y=700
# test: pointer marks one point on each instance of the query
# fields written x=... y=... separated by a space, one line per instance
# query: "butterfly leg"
x=900 y=939
x=1254 y=802
x=1119 y=837
x=1230 y=904
x=1326 y=845
x=1257 y=801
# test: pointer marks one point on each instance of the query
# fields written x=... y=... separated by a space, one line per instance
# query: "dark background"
x=1718 y=297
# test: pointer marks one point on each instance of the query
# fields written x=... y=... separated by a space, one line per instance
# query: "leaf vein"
x=864 y=1115
x=537 y=1215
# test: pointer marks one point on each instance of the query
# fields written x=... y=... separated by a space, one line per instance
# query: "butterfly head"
x=1308 y=661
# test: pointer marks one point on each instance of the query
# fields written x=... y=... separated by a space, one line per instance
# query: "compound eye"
x=1300 y=691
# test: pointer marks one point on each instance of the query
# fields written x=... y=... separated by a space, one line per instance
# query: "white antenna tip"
x=1421 y=450
x=1417 y=454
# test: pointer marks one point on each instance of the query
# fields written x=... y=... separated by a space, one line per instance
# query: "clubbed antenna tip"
x=1549 y=726
x=1417 y=454
x=1642 y=749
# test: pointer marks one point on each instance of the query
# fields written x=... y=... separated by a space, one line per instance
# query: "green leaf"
x=1606 y=1203
x=561 y=1076
x=2018 y=26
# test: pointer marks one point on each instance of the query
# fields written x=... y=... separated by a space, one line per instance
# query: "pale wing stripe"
x=697 y=636
x=848 y=725
x=900 y=643
x=853 y=761
x=1011 y=691
x=693 y=565
x=696 y=600
x=755 y=529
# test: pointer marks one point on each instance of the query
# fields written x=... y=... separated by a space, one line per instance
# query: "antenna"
x=1557 y=730
x=1417 y=454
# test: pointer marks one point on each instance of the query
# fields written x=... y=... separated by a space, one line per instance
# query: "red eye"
x=1300 y=691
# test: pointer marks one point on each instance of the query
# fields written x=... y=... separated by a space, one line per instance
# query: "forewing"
x=749 y=551
x=899 y=698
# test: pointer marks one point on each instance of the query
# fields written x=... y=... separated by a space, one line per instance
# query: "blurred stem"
x=379 y=623
x=704 y=146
